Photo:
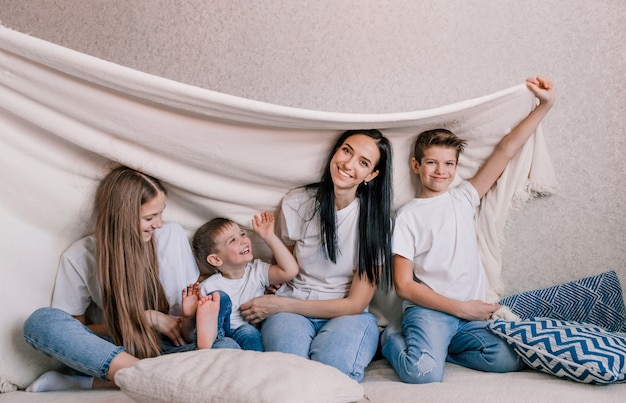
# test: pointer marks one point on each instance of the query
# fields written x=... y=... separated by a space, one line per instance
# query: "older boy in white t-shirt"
x=437 y=267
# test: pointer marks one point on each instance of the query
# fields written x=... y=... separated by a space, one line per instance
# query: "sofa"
x=382 y=385
x=576 y=353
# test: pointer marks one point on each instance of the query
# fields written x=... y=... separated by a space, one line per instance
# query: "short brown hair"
x=203 y=243
x=437 y=137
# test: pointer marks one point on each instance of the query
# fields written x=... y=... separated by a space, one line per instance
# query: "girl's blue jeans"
x=57 y=334
x=432 y=337
x=347 y=343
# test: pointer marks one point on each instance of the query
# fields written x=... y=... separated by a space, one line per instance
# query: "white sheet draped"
x=66 y=116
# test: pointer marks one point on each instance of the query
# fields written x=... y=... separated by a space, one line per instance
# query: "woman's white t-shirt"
x=319 y=278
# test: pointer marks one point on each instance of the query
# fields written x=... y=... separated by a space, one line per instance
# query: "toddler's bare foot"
x=206 y=320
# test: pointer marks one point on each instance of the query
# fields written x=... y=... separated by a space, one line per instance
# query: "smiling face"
x=233 y=250
x=151 y=215
x=436 y=170
x=353 y=163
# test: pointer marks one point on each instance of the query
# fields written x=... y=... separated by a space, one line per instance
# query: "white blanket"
x=65 y=117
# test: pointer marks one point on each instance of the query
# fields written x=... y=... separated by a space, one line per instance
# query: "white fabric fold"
x=65 y=117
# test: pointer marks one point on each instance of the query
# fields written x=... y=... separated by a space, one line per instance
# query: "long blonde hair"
x=128 y=269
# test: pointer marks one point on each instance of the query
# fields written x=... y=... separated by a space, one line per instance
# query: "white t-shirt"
x=319 y=278
x=77 y=288
x=438 y=235
x=252 y=284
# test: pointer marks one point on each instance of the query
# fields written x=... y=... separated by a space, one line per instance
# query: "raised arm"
x=510 y=144
x=286 y=266
x=422 y=295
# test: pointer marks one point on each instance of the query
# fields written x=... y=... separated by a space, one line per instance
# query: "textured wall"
x=375 y=56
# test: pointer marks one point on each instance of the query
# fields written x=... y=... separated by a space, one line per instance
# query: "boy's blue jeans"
x=247 y=336
x=432 y=337
x=347 y=343
x=57 y=334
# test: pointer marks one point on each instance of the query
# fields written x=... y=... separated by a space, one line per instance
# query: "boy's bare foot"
x=206 y=320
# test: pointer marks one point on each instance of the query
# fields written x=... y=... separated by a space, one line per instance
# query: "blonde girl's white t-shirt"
x=438 y=235
x=77 y=290
x=319 y=278
x=252 y=284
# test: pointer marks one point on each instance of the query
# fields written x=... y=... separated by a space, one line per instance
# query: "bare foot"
x=206 y=320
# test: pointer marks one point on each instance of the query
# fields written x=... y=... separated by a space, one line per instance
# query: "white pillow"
x=227 y=375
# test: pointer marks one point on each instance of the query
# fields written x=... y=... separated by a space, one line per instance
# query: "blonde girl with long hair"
x=117 y=296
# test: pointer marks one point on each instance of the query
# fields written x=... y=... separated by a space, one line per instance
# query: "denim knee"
x=412 y=365
x=57 y=334
x=347 y=343
x=425 y=370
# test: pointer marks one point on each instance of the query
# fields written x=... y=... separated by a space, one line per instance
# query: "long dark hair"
x=375 y=198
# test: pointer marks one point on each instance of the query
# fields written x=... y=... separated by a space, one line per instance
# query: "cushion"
x=596 y=300
x=572 y=350
x=227 y=375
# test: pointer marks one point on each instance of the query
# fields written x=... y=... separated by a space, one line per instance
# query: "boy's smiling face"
x=436 y=170
x=234 y=250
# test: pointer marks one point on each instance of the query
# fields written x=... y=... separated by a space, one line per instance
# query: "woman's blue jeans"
x=347 y=343
x=432 y=337
x=57 y=334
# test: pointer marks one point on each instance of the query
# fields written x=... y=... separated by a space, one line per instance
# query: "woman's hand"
x=169 y=326
x=259 y=308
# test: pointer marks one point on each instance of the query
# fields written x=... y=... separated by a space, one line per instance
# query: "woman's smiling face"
x=354 y=162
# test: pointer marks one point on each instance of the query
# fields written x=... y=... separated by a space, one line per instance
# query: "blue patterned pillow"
x=596 y=300
x=572 y=350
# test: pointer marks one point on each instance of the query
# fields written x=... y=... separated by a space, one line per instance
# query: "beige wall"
x=386 y=56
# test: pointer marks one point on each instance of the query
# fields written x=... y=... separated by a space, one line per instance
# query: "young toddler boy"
x=437 y=267
x=225 y=249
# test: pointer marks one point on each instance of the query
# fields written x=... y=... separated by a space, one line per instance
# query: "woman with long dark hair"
x=339 y=230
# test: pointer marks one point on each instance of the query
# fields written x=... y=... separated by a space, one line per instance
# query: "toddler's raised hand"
x=263 y=224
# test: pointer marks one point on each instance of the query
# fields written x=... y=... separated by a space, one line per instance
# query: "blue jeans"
x=347 y=343
x=57 y=334
x=432 y=337
x=247 y=336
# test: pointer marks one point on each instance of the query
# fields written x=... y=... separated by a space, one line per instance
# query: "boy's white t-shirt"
x=77 y=289
x=318 y=278
x=438 y=235
x=252 y=284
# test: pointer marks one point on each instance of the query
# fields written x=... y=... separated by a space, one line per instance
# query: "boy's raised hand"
x=263 y=224
x=542 y=88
